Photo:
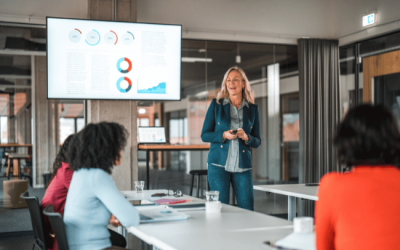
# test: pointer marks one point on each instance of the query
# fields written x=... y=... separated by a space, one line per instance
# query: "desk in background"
x=16 y=145
x=292 y=191
x=167 y=147
x=16 y=172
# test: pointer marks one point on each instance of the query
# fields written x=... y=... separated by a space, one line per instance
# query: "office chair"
x=57 y=223
x=36 y=218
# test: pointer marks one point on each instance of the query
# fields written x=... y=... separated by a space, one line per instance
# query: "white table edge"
x=149 y=239
x=287 y=193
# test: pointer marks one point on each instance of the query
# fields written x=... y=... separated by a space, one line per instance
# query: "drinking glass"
x=178 y=193
x=212 y=196
x=139 y=186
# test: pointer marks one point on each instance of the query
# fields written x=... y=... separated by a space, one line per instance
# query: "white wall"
x=251 y=20
x=35 y=11
x=267 y=21
x=347 y=19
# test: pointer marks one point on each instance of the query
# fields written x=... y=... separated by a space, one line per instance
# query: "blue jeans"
x=242 y=183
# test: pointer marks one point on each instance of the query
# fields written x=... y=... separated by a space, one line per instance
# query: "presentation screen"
x=113 y=60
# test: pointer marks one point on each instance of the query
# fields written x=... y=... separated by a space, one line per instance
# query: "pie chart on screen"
x=121 y=82
x=124 y=65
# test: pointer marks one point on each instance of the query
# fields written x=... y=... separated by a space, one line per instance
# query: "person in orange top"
x=361 y=209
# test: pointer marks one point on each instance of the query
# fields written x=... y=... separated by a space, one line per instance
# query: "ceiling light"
x=196 y=59
x=238 y=58
x=201 y=94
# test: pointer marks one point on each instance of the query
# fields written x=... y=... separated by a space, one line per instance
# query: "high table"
x=292 y=191
x=16 y=172
x=167 y=147
x=16 y=145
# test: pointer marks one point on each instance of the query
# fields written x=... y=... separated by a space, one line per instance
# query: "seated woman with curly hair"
x=361 y=209
x=92 y=195
x=57 y=190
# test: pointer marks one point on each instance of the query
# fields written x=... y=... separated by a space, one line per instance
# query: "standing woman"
x=232 y=126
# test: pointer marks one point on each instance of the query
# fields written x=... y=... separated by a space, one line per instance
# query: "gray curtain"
x=319 y=109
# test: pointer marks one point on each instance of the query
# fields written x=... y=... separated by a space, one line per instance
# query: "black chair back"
x=198 y=173
x=57 y=223
x=36 y=218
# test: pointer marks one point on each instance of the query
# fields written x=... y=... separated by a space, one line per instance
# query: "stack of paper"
x=160 y=213
x=300 y=241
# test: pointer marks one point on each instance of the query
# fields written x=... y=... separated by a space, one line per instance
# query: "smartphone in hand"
x=234 y=132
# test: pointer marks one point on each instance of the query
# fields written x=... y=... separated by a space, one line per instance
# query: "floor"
x=15 y=224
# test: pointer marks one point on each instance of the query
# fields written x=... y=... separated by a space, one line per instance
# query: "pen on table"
x=176 y=202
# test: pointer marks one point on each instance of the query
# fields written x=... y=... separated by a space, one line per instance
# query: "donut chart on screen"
x=93 y=38
x=119 y=84
x=75 y=35
x=128 y=38
x=119 y=65
x=111 y=38
x=112 y=60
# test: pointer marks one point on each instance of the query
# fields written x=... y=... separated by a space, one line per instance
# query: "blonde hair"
x=247 y=92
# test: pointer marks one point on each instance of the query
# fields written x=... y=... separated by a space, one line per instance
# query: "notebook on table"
x=171 y=201
x=189 y=207
x=160 y=213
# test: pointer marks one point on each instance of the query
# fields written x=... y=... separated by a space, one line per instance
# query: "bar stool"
x=198 y=173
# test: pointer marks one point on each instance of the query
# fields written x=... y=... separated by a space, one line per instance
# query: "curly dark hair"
x=368 y=135
x=97 y=146
x=61 y=157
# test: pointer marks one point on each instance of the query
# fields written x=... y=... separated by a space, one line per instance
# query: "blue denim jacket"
x=218 y=121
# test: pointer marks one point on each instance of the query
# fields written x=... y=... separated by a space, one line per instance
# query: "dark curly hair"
x=97 y=146
x=61 y=157
x=368 y=135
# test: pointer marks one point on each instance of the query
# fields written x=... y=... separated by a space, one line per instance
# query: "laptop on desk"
x=151 y=135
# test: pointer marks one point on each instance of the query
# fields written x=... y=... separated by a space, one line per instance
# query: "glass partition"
x=204 y=64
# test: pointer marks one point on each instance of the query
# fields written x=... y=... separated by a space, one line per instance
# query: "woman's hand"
x=228 y=135
x=242 y=135
x=114 y=221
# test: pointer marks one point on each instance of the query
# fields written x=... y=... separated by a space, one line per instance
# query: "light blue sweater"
x=92 y=198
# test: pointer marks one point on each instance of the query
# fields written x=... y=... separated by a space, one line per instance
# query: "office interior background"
x=257 y=36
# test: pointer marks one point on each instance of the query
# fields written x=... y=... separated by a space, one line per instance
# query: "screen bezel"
x=144 y=143
x=110 y=99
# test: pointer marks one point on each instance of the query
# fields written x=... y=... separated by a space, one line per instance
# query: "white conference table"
x=293 y=191
x=233 y=228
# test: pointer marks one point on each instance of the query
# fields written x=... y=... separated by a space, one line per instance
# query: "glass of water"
x=212 y=195
x=139 y=186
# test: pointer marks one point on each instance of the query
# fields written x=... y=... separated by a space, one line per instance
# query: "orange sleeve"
x=324 y=222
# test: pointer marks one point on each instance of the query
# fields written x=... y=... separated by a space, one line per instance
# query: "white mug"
x=213 y=206
x=303 y=224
